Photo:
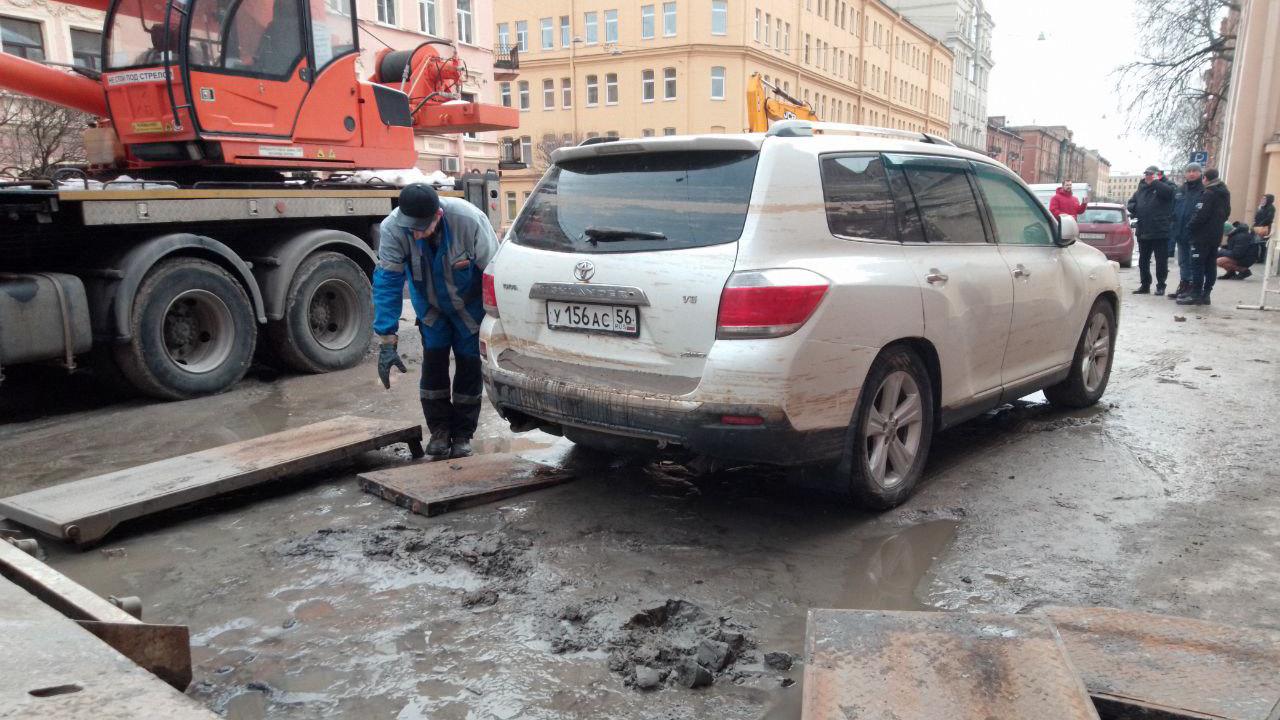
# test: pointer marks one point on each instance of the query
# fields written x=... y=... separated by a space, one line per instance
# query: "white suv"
x=820 y=293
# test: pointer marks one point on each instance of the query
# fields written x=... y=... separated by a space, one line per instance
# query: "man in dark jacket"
x=1184 y=206
x=1152 y=205
x=1210 y=215
x=1241 y=252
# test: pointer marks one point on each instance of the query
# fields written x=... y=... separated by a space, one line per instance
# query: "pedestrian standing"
x=1064 y=202
x=1205 y=232
x=1152 y=205
x=1184 y=206
x=441 y=246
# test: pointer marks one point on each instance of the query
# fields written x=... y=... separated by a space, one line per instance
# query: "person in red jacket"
x=1065 y=203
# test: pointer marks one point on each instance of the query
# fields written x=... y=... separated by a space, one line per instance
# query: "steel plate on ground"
x=873 y=665
x=433 y=488
x=1156 y=666
x=83 y=511
x=53 y=668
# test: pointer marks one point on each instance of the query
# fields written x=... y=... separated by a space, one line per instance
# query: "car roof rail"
x=599 y=139
x=809 y=128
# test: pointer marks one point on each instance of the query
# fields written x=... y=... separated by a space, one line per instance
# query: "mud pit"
x=318 y=600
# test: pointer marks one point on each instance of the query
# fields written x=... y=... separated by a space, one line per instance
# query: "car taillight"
x=490 y=294
x=768 y=303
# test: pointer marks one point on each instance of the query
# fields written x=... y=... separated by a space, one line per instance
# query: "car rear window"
x=1102 y=216
x=856 y=191
x=693 y=199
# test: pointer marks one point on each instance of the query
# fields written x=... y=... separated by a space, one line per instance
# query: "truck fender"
x=275 y=265
x=133 y=266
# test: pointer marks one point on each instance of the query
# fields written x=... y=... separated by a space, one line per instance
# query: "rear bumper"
x=692 y=425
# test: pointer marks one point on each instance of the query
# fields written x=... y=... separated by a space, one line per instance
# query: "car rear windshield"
x=669 y=200
x=1102 y=216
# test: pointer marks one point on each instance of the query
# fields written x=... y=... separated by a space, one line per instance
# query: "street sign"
x=1200 y=156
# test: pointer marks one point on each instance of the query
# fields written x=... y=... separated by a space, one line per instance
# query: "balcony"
x=506 y=62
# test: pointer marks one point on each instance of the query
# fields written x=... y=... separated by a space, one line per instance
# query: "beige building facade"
x=600 y=67
x=1122 y=187
x=1251 y=140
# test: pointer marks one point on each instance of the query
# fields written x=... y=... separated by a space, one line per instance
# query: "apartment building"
x=593 y=68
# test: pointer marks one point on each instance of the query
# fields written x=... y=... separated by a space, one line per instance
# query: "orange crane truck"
x=214 y=252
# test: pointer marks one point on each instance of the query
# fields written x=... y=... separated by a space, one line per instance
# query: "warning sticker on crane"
x=282 y=151
x=136 y=76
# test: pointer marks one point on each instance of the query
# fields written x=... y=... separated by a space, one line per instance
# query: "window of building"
x=86 y=49
x=466 y=33
x=593 y=90
x=768 y=22
x=806 y=48
x=566 y=35
x=945 y=201
x=668 y=83
x=504 y=92
x=669 y=131
x=611 y=89
x=668 y=19
x=524 y=94
x=647 y=132
x=591 y=22
x=522 y=35
x=611 y=26
x=548 y=94
x=548 y=33
x=777 y=33
x=786 y=38
x=512 y=209
x=526 y=153
x=757 y=33
x=647 y=22
x=717 y=83
x=566 y=93
x=719 y=17
x=646 y=86
x=611 y=133
x=593 y=135
x=504 y=37
x=427 y=17
x=387 y=12
x=859 y=204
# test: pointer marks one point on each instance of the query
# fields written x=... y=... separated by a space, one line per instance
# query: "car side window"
x=856 y=191
x=1017 y=216
x=948 y=209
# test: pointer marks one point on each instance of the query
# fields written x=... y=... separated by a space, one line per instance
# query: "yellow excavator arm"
x=767 y=103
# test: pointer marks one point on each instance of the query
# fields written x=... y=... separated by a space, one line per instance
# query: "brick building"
x=1003 y=144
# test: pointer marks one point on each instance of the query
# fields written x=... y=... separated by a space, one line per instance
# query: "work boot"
x=1204 y=299
x=439 y=445
x=461 y=448
x=1159 y=289
x=1144 y=290
x=1183 y=289
x=1244 y=274
x=1230 y=275
x=1191 y=298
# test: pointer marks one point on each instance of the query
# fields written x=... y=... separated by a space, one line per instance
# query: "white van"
x=1044 y=191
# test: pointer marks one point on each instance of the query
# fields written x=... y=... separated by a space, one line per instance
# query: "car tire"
x=328 y=316
x=1126 y=263
x=883 y=460
x=192 y=331
x=1091 y=364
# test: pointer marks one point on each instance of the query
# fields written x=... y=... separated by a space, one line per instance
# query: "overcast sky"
x=1066 y=79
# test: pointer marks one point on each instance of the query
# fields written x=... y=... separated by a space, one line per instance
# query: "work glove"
x=388 y=358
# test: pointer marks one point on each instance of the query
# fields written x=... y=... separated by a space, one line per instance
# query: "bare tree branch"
x=37 y=137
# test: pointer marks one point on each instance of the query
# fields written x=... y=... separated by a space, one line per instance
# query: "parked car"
x=789 y=298
x=1106 y=227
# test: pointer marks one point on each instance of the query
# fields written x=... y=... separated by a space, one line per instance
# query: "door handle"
x=1021 y=271
x=935 y=278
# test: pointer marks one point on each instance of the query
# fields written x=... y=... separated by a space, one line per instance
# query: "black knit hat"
x=419 y=205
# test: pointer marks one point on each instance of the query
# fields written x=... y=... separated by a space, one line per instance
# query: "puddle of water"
x=884 y=572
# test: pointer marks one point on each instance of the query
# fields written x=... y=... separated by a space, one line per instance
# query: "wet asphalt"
x=313 y=599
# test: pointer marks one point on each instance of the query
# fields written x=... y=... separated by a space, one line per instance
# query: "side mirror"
x=1068 y=231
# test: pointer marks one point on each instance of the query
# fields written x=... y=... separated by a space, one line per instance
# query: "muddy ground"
x=315 y=599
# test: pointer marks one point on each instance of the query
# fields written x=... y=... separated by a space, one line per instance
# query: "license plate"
x=586 y=317
x=1093 y=236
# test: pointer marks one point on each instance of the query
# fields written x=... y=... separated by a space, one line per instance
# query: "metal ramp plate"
x=433 y=488
x=874 y=665
x=52 y=668
x=1156 y=666
x=83 y=511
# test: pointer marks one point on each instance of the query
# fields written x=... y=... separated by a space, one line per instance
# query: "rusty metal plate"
x=85 y=510
x=874 y=665
x=1144 y=665
x=433 y=488
x=52 y=668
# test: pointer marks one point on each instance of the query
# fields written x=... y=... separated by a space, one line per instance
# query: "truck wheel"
x=891 y=431
x=1091 y=366
x=328 y=316
x=192 y=331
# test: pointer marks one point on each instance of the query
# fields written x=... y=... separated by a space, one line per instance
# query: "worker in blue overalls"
x=442 y=246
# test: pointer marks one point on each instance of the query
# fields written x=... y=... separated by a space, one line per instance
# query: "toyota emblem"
x=584 y=270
